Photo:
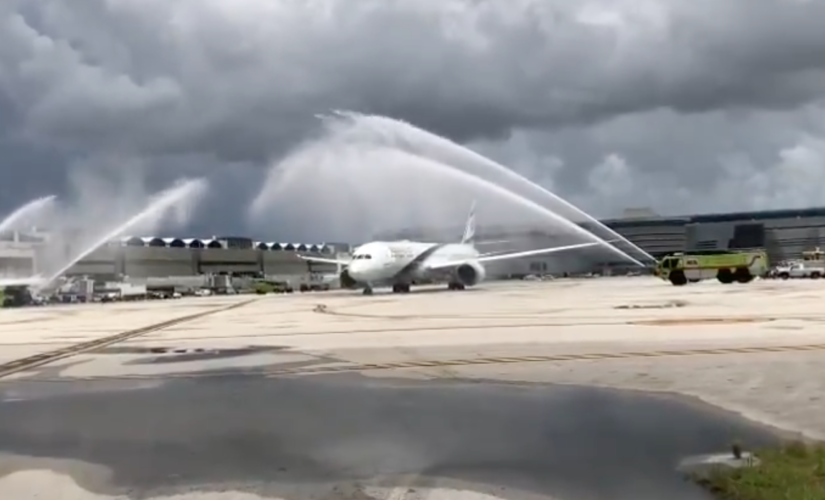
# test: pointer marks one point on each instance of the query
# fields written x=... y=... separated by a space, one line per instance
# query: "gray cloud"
x=701 y=105
x=679 y=164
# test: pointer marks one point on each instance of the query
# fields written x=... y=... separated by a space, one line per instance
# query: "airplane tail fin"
x=470 y=226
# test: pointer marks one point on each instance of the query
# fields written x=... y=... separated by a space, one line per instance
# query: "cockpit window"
x=362 y=256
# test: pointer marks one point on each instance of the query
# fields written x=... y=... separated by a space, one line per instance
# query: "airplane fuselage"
x=404 y=261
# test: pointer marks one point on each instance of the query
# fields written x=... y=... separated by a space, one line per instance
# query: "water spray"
x=156 y=208
x=397 y=129
x=457 y=174
x=336 y=155
x=26 y=213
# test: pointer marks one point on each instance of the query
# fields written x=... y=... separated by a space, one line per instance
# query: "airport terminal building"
x=783 y=233
x=142 y=258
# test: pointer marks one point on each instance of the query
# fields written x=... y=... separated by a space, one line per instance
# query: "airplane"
x=400 y=263
x=30 y=281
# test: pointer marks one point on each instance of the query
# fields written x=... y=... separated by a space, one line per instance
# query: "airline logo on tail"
x=470 y=227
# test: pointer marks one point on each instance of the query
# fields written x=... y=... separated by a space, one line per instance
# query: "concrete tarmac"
x=504 y=391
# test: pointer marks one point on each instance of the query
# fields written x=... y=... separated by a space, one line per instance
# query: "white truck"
x=800 y=269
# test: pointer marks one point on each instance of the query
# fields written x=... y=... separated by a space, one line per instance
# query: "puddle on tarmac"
x=516 y=440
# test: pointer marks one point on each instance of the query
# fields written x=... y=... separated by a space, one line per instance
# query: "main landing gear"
x=405 y=288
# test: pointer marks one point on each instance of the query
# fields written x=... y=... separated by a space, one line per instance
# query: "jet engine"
x=346 y=280
x=470 y=274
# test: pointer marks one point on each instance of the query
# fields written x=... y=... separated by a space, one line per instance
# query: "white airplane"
x=30 y=281
x=399 y=263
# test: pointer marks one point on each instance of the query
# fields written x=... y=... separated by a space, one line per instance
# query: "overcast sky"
x=682 y=106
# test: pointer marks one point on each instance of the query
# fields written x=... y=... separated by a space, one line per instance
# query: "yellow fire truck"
x=725 y=266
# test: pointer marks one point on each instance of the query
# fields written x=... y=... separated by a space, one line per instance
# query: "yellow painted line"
x=475 y=361
x=36 y=360
x=506 y=359
x=641 y=354
x=389 y=365
x=426 y=363
x=533 y=358
x=809 y=348
x=558 y=358
x=538 y=359
x=358 y=367
x=698 y=321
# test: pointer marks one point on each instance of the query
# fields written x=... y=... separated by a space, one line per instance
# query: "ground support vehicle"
x=799 y=269
x=727 y=266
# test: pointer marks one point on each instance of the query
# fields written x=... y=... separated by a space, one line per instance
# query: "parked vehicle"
x=800 y=269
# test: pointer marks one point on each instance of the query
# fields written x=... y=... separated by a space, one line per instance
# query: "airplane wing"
x=343 y=262
x=514 y=255
x=30 y=281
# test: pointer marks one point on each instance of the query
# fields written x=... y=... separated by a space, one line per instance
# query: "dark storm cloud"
x=240 y=81
x=677 y=165
x=239 y=78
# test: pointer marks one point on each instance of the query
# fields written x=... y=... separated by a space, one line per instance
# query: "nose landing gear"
x=401 y=288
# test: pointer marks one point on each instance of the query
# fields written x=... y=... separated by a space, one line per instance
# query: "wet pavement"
x=439 y=396
x=341 y=436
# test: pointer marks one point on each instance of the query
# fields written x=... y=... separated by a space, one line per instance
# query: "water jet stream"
x=158 y=205
x=390 y=128
x=27 y=211
x=388 y=157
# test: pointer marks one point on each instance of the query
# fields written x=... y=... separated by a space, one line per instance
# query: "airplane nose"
x=356 y=270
